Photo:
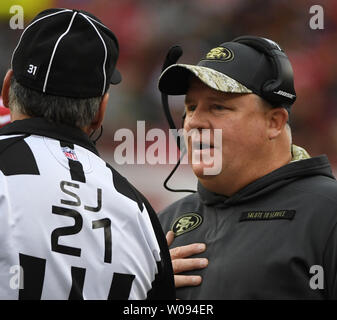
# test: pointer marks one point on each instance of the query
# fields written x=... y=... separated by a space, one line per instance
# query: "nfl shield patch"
x=69 y=153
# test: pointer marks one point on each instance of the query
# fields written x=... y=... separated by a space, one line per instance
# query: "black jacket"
x=267 y=241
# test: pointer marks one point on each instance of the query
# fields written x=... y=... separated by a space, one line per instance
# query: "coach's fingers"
x=186 y=251
x=184 y=281
x=181 y=265
x=169 y=237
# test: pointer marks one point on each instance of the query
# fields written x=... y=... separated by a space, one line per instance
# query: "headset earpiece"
x=279 y=91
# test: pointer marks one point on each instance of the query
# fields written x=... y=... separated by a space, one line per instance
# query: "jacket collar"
x=42 y=127
x=282 y=176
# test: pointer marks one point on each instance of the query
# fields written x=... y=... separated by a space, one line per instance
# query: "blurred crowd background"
x=146 y=29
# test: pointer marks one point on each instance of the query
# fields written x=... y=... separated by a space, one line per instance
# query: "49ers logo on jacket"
x=186 y=223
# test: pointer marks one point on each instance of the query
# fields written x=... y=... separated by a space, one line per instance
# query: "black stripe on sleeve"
x=16 y=157
x=163 y=285
x=76 y=168
x=124 y=187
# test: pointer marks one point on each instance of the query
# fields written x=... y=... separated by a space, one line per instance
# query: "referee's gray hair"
x=74 y=112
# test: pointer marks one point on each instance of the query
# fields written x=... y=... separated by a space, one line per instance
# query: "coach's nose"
x=196 y=119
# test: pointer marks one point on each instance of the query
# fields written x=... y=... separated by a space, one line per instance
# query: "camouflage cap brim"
x=212 y=78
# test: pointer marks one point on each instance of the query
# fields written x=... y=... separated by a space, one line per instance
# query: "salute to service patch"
x=186 y=223
x=267 y=215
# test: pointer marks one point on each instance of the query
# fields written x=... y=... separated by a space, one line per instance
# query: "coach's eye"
x=190 y=108
x=219 y=108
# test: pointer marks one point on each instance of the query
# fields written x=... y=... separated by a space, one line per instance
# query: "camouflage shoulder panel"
x=299 y=153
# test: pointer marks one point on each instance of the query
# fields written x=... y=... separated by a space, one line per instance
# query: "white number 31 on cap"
x=32 y=69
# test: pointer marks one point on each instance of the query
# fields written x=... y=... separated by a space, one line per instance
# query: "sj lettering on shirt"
x=77 y=228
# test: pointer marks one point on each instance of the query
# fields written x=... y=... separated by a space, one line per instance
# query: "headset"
x=279 y=92
x=172 y=57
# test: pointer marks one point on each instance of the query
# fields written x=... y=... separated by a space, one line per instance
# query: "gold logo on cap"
x=220 y=53
x=186 y=223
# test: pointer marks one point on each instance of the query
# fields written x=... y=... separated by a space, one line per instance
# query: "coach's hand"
x=181 y=264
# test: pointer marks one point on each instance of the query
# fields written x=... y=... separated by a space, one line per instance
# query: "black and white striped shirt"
x=71 y=227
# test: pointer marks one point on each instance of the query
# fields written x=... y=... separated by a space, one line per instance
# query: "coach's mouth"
x=199 y=145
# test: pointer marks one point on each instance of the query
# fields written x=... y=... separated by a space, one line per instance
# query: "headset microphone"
x=172 y=57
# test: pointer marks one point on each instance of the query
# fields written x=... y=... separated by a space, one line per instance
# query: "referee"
x=71 y=227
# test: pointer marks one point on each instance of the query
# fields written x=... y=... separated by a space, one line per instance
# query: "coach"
x=71 y=227
x=265 y=226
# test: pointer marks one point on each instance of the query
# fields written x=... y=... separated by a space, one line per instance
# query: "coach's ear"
x=5 y=88
x=99 y=117
x=278 y=118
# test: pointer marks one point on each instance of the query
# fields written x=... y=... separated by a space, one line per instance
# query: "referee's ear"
x=5 y=88
x=99 y=117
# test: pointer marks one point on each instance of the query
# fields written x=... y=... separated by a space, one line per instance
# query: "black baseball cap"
x=68 y=53
x=236 y=68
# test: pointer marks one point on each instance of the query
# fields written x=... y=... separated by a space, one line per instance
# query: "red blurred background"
x=147 y=28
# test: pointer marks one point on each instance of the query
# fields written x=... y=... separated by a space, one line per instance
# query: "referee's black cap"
x=68 y=53
x=236 y=67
